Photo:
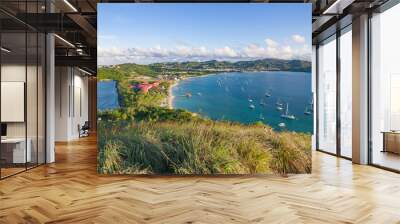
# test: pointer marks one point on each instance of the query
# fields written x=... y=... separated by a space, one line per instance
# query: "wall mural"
x=204 y=88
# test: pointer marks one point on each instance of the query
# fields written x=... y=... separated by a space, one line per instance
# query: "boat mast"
x=287 y=109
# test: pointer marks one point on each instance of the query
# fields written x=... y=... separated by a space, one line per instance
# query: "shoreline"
x=170 y=96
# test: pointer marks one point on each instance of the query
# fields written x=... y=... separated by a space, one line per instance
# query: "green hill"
x=131 y=70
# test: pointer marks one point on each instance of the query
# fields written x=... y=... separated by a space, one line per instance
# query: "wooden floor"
x=8 y=171
x=387 y=159
x=70 y=191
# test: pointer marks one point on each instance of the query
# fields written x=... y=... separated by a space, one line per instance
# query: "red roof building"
x=145 y=87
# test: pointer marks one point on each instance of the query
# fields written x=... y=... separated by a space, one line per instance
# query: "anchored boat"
x=286 y=115
x=307 y=111
x=279 y=103
x=268 y=94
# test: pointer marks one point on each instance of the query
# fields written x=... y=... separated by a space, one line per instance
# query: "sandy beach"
x=170 y=96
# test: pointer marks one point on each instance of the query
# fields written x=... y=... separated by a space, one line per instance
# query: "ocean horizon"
x=249 y=97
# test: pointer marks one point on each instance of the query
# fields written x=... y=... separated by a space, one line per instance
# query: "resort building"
x=145 y=87
x=48 y=173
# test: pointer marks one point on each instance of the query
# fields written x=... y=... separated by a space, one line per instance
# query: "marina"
x=282 y=105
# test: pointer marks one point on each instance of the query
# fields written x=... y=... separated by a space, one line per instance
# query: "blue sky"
x=147 y=33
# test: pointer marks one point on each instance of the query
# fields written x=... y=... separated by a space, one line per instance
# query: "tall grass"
x=109 y=158
x=291 y=153
x=200 y=147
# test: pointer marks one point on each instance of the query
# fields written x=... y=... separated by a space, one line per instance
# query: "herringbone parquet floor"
x=70 y=191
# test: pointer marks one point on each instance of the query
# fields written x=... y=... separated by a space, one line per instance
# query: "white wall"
x=62 y=83
x=80 y=109
x=71 y=102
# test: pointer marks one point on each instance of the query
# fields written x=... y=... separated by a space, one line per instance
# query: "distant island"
x=194 y=68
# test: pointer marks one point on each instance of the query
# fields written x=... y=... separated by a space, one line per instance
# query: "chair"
x=84 y=130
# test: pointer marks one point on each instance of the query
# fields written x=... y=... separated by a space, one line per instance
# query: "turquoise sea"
x=229 y=96
x=107 y=95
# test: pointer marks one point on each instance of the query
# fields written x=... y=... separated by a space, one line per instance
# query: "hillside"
x=129 y=70
x=200 y=147
x=143 y=136
x=256 y=65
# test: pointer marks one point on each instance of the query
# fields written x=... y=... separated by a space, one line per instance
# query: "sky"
x=148 y=33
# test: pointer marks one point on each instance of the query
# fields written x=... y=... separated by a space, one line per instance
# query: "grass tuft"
x=200 y=147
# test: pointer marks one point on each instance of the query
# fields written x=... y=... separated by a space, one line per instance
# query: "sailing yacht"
x=311 y=101
x=279 y=103
x=286 y=115
x=268 y=94
x=307 y=111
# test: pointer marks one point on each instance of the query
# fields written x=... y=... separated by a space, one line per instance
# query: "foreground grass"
x=200 y=147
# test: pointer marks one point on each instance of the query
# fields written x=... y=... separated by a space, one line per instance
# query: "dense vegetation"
x=145 y=137
x=126 y=71
x=122 y=71
x=200 y=147
x=255 y=65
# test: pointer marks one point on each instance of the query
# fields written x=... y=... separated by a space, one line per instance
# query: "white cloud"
x=270 y=49
x=110 y=52
x=298 y=39
x=225 y=52
x=271 y=43
x=255 y=51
